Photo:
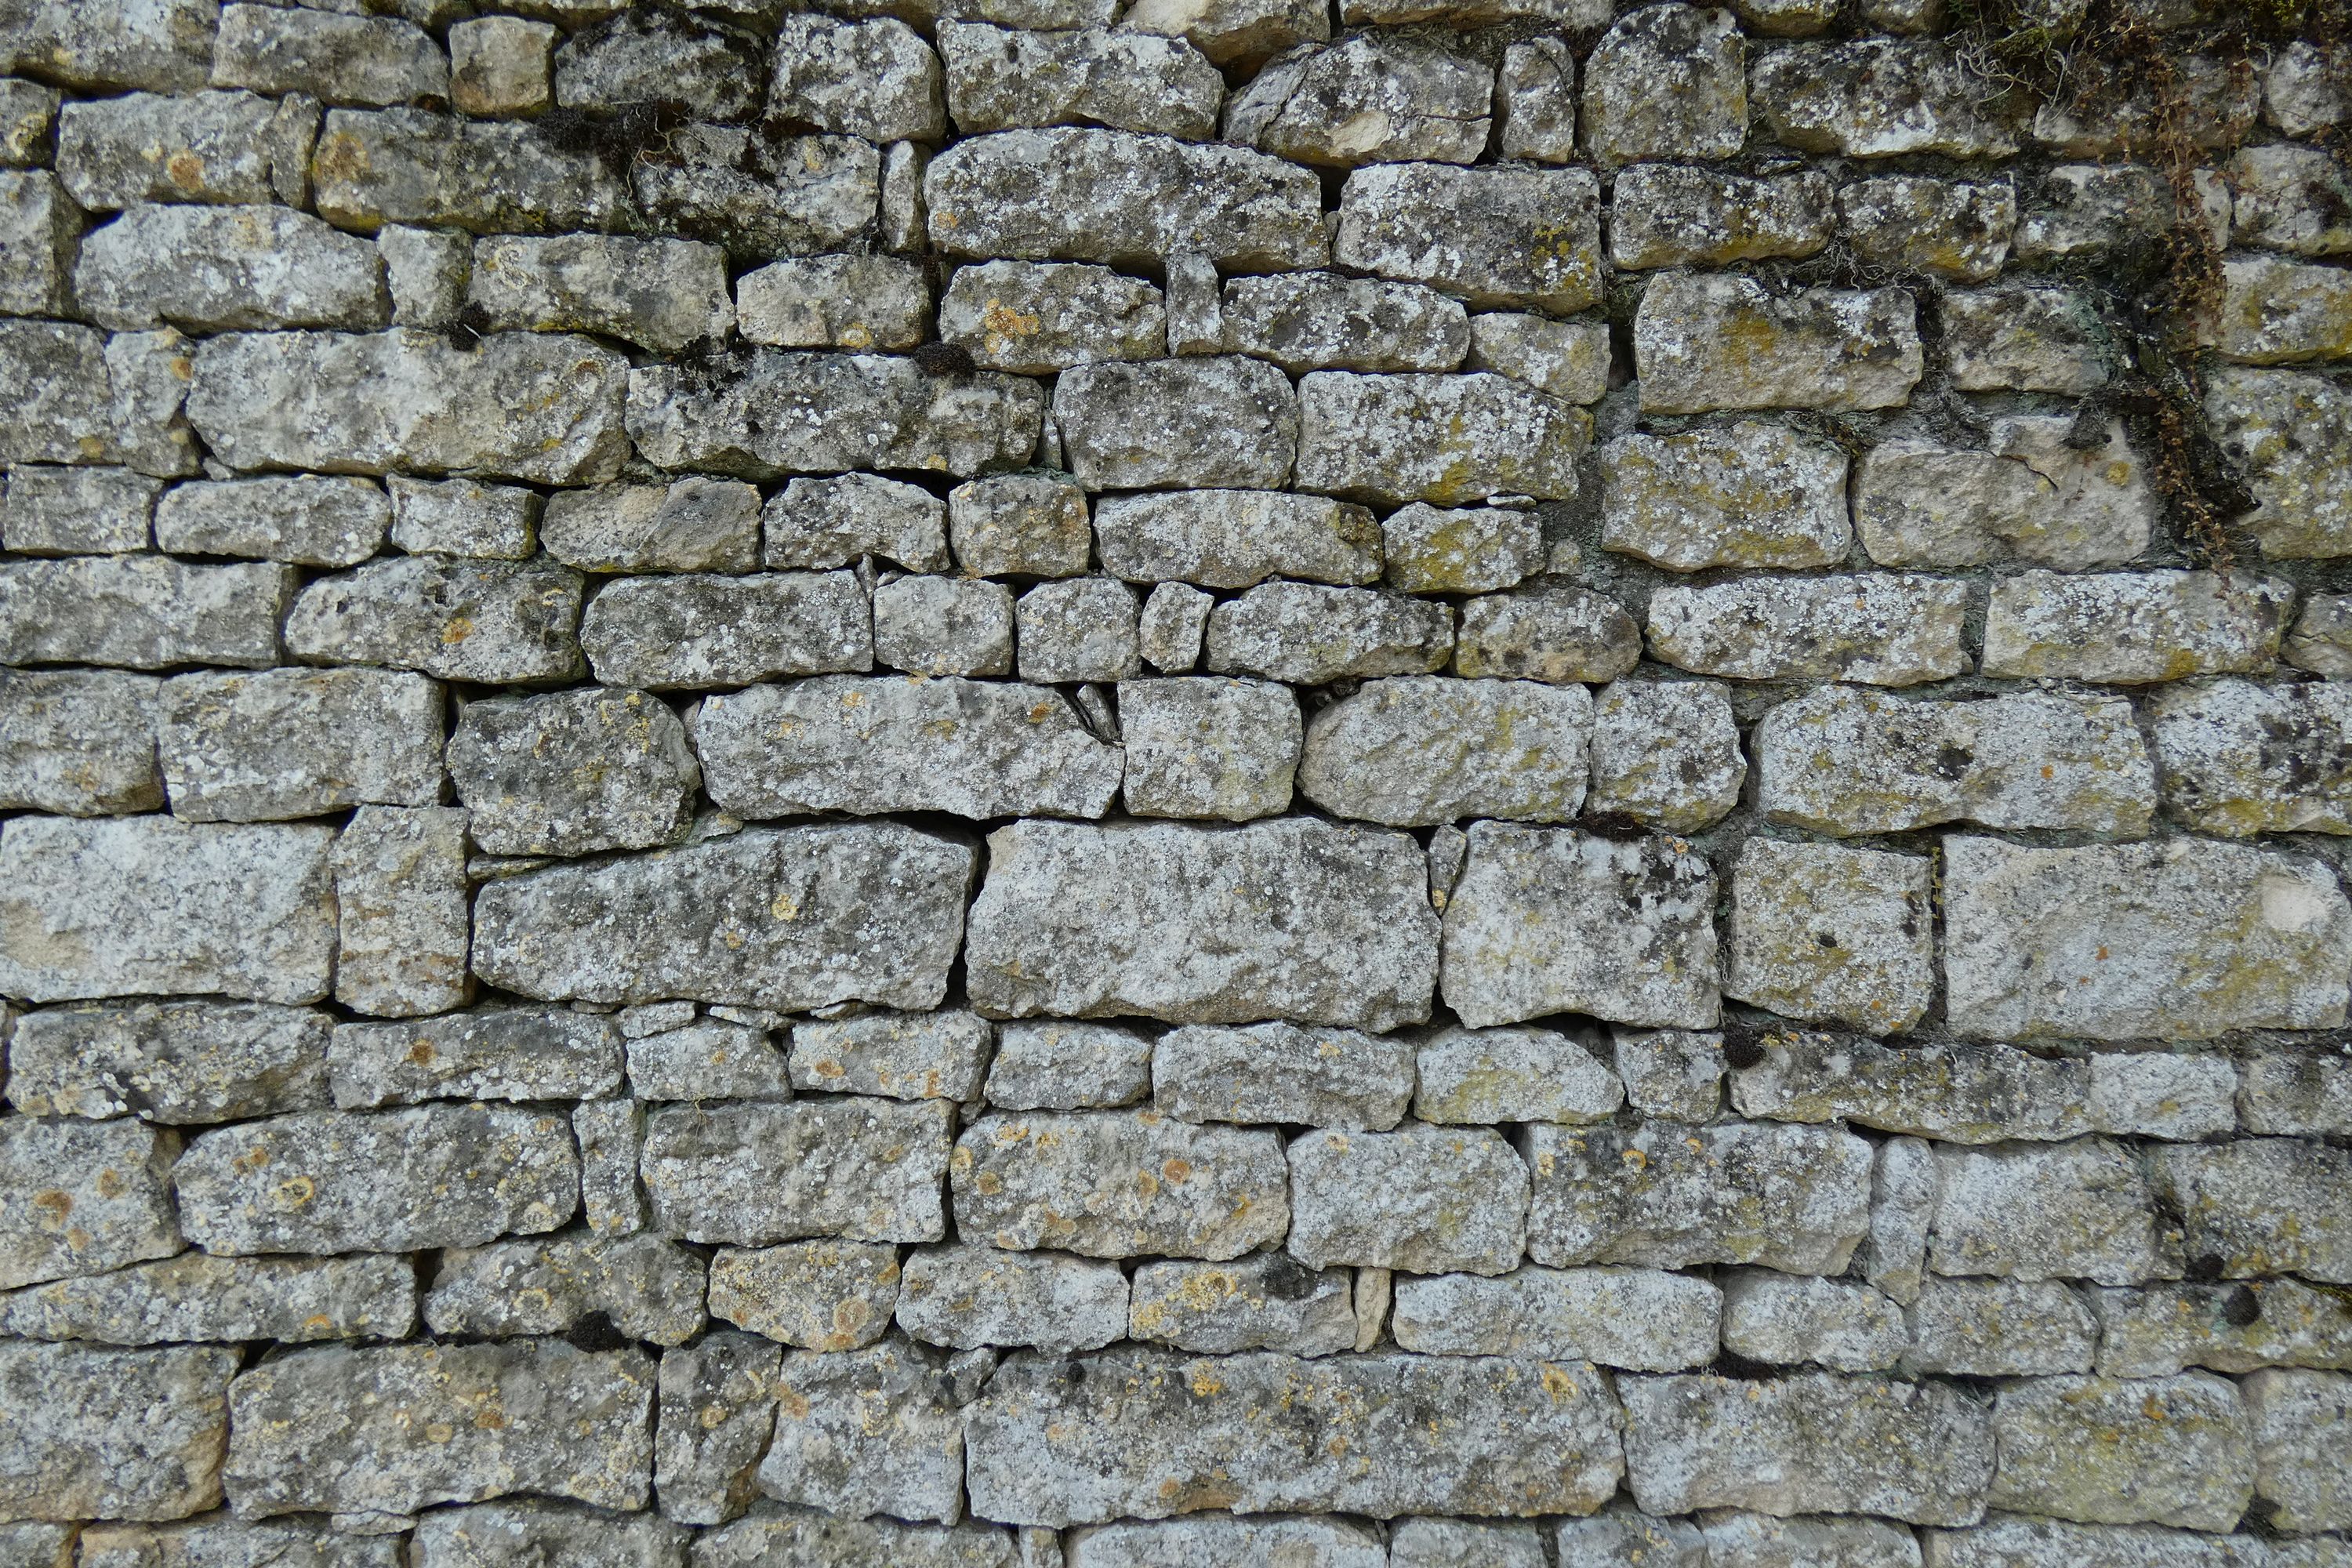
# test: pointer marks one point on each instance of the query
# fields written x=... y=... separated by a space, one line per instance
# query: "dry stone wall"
x=987 y=782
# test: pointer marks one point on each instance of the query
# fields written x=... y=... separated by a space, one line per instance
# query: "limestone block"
x=712 y=1060
x=1236 y=539
x=145 y=612
x=113 y=1434
x=1002 y=79
x=1535 y=101
x=695 y=630
x=1876 y=98
x=2258 y=1206
x=178 y=1063
x=572 y=773
x=1282 y=1073
x=1373 y=98
x=645 y=1287
x=403 y=913
x=968 y=1296
x=2281 y=312
x=1114 y=1184
x=1320 y=321
x=1668 y=214
x=306 y=521
x=208 y=147
x=943 y=626
x=502 y=1532
x=1570 y=360
x=362 y=59
x=1882 y=628
x=1208 y=747
x=1474 y=550
x=2001 y=1328
x=79 y=743
x=1265 y=1302
x=871 y=77
x=1185 y=424
x=227 y=268
x=461 y=517
x=1423 y=1198
x=1488 y=1076
x=905 y=1056
x=2060 y=1211
x=1950 y=228
x=1499 y=236
x=696 y=62
x=88 y=398
x=2238 y=758
x=1078 y=629
x=1055 y=1066
x=1829 y=933
x=715 y=1411
x=750 y=1172
x=2017 y=337
x=861 y=302
x=77 y=512
x=1749 y=494
x=1639 y=1320
x=1031 y=524
x=491 y=1053
x=2301 y=1420
x=1240 y=33
x=498 y=65
x=1788 y=1319
x=1702 y=343
x=688 y=525
x=1669 y=84
x=2286 y=426
x=1547 y=630
x=1666 y=753
x=762 y=198
x=83 y=1197
x=2176 y=1450
x=1417 y=750
x=1037 y=318
x=822 y=524
x=823 y=1295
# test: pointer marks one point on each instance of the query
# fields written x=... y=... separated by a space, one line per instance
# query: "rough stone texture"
x=572 y=773
x=1178 y=423
x=494 y=1053
x=1478 y=1076
x=750 y=1172
x=1317 y=320
x=1883 y=630
x=1418 y=750
x=1788 y=1318
x=400 y=897
x=1440 y=1199
x=1669 y=83
x=178 y=1063
x=141 y=612
x=1033 y=318
x=1309 y=635
x=2260 y=1205
x=227 y=268
x=1236 y=539
x=2133 y=628
x=1265 y=1302
x=646 y=1288
x=1635 y=1318
x=1497 y=236
x=1708 y=343
x=1373 y=98
x=1671 y=216
x=83 y=1197
x=1208 y=747
x=2238 y=758
x=969 y=1297
x=2270 y=417
x=113 y=1434
x=2175 y=1451
x=1112 y=1184
x=1548 y=631
x=94 y=399
x=1752 y=494
x=1666 y=753
x=79 y=743
x=1068 y=1067
x=1282 y=1073
x=2075 y=1210
x=699 y=630
x=1833 y=935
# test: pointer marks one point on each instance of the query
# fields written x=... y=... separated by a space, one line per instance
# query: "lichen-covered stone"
x=2001 y=1328
x=1417 y=750
x=79 y=743
x=392 y=1428
x=1422 y=1198
x=1445 y=439
x=1037 y=318
x=1825 y=932
x=761 y=198
x=2285 y=424
x=2281 y=312
x=1950 y=228
x=1876 y=97
x=2027 y=1541
x=862 y=302
x=1639 y=1320
x=774 y=1538
x=2300 y=1420
x=1300 y=1542
x=750 y=1173
x=871 y=77
x=660 y=294
x=1049 y=1064
x=375 y=167
x=227 y=268
x=208 y=147
x=195 y=1296
x=1473 y=550
x=462 y=517
x=1000 y=78
x=943 y=626
x=398 y=1181
x=867 y=1431
x=150 y=905
x=83 y=1197
x=1148 y=1433
x=1309 y=635
x=1488 y=1076
x=906 y=1056
x=1201 y=423
x=572 y=773
x=220 y=1539
x=1031 y=524
x=1208 y=747
x=688 y=525
x=143 y=612
x=1503 y=236
x=972 y=1296
x=51 y=511
x=646 y=1288
x=344 y=60
x=1668 y=82
x=492 y=1053
x=2260 y=1205
x=2060 y=1211
x=1667 y=214
x=1265 y=1302
x=170 y=1062
x=824 y=1295
x=1236 y=539
x=88 y=398
x=1882 y=628
x=1750 y=494
x=1372 y=98
x=1666 y=1194
x=2113 y=942
x=1676 y=1074
x=714 y=1412
x=1282 y=1073
x=505 y=1532
x=2021 y=337
x=1705 y=343
x=308 y=521
x=2176 y=1451
x=1919 y=504
x=113 y=1434
x=399 y=896
x=698 y=630
x=1078 y=629
x=1666 y=753
x=1548 y=630
x=2238 y=758
x=298 y=742
x=1109 y=1185
x=2292 y=1089
x=1321 y=321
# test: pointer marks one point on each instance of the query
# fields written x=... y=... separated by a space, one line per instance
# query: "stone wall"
x=993 y=783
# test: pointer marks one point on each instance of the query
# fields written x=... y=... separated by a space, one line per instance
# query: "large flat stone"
x=708 y=629
x=79 y=743
x=213 y=269
x=113 y=1434
x=1418 y=750
x=2076 y=1210
x=408 y=166
x=2258 y=1207
x=172 y=1062
x=1445 y=440
x=1293 y=919
x=88 y=398
x=1236 y=539
x=1509 y=236
x=783 y=918
x=1703 y=343
x=280 y=744
x=1220 y=421
x=2176 y=1450
x=1882 y=628
x=83 y=1198
x=144 y=612
x=750 y=1173
x=1111 y=1184
x=489 y=1053
x=1425 y=1199
x=196 y=1296
x=572 y=773
x=1637 y=1319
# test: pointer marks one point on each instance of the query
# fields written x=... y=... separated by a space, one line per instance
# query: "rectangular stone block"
x=2301 y=1422
x=79 y=743
x=149 y=905
x=1882 y=628
x=1218 y=422
x=53 y=511
x=235 y=148
x=1294 y=918
x=659 y=294
x=1956 y=1093
x=1449 y=440
x=435 y=171
x=1110 y=1185
x=819 y=1295
x=1703 y=343
x=491 y=1535
x=687 y=631
x=1637 y=1319
x=638 y=1286
x=494 y=622
x=195 y=1296
x=400 y=897
x=218 y=1539
x=172 y=1062
x=394 y=1428
x=281 y=744
x=906 y=1056
x=2175 y=1450
x=501 y=1053
x=2169 y=1328
x=213 y=269
x=715 y=1412
x=777 y=1538
x=1426 y=1199
x=2065 y=1211
x=113 y=1434
x=1148 y=1434
x=1512 y=236
x=1282 y=1073
x=307 y=520
x=2132 y=627
x=83 y=1198
x=2259 y=1206
x=750 y=1173
x=144 y=611
x=793 y=919
x=972 y=1296
x=86 y=398
x=2182 y=939
x=1265 y=1302
x=1236 y=539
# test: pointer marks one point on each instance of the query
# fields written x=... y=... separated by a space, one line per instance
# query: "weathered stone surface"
x=1487 y=1076
x=1666 y=83
x=1636 y=1319
x=79 y=743
x=1666 y=214
x=1847 y=760
x=867 y=1431
x=709 y=1060
x=145 y=612
x=689 y=525
x=2281 y=312
x=1078 y=629
x=2113 y=942
x=1314 y=923
x=714 y=1413
x=1309 y=635
x=1148 y=1433
x=2074 y=1210
x=646 y=1288
x=2238 y=758
x=1203 y=747
x=1570 y=360
x=771 y=1538
x=1037 y=318
x=1378 y=439
x=208 y=147
x=408 y=166
x=1174 y=620
x=821 y=524
x=971 y=1296
x=328 y=1180
x=2300 y=1422
x=1422 y=1198
x=149 y=905
x=1497 y=236
x=906 y=1056
x=2284 y=425
x=1557 y=921
x=1922 y=1452
x=1790 y=1319
x=2020 y=338
x=1075 y=195
x=1111 y=1184
x=873 y=77
x=1057 y=1066
x=1950 y=228
x=113 y=1434
x=1474 y=550
x=999 y=78
x=1882 y=628
x=1426 y=749
x=1876 y=97
x=83 y=1197
x=820 y=1295
x=772 y=412
x=861 y=302
x=1031 y=524
x=227 y=268
x=697 y=630
x=1373 y=98
x=344 y=60
x=308 y=521
x=572 y=773
x=757 y=199
x=77 y=512
x=400 y=895
x=88 y=398
x=1236 y=539
x=461 y=517
x=491 y=1535
x=1282 y=1073
x=1919 y=504
x=298 y=742
x=869 y=744
x=493 y=1053
x=943 y=626
x=1548 y=630
x=660 y=294
x=750 y=1173
x=2260 y=1205
x=2001 y=1328
x=391 y=1429
x=2322 y=639
x=1228 y=1538
x=1265 y=1302
x=1708 y=342
x=1319 y=320
x=1830 y=933
x=194 y=1296
x=1676 y=1074
x=1182 y=424
x=1620 y=1532
x=1666 y=753
x=171 y=1062
x=1761 y=1541
x=1749 y=494
x=218 y=1539
x=1665 y=1194
x=2285 y=198
x=1535 y=101
x=2175 y=1451
x=500 y=66
x=2289 y=1090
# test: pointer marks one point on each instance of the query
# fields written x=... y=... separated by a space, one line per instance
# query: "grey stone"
x=1238 y=32
x=1919 y=504
x=873 y=77
x=2238 y=758
x=2281 y=312
x=463 y=517
x=1151 y=1433
x=1557 y=921
x=1876 y=98
x=1265 y=1302
x=714 y=1412
x=823 y=1295
x=1236 y=539
x=2016 y=1538
x=1535 y=101
x=611 y=1134
x=1620 y=1533
x=149 y=905
x=1955 y=1093
x=1474 y=550
x=1178 y=423
x=1000 y=79
x=1175 y=618
x=1902 y=1189
x=1113 y=1184
x=500 y=66
x=79 y=743
x=1676 y=1074
x=770 y=412
x=1079 y=195
x=39 y=238
x=1879 y=628
x=775 y=1538
x=371 y=60
x=1309 y=635
x=398 y=1181
x=215 y=1541
x=1666 y=83
x=1666 y=214
x=696 y=62
x=113 y=1434
x=282 y=743
x=2300 y=1422
x=2285 y=424
x=753 y=1171
x=1636 y=1319
x=761 y=199
x=391 y=1429
x=906 y=1056
x=208 y=147
x=1751 y=493
x=1830 y=933
x=1667 y=1195
x=1053 y=1065
x=2289 y=198
x=1227 y=1538
x=493 y=1053
x=400 y=889
x=861 y=302
x=688 y=525
x=1790 y=1319
x=145 y=612
x=694 y=631
x=660 y=294
x=1196 y=317
x=2260 y=1205
x=375 y=167
x=1318 y=923
x=2282 y=1091
x=1666 y=753
x=1282 y=1073
x=1422 y=1198
x=83 y=1197
x=2302 y=91
x=2017 y=337
x=77 y=512
x=1372 y=98
x=28 y=116
x=1815 y=1443
x=822 y=524
x=572 y=773
x=2176 y=1451
x=867 y=1431
x=1950 y=228
x=1077 y=629
x=1487 y=1076
x=881 y=743
x=709 y=1060
x=86 y=398
x=943 y=626
x=194 y=1296
x=646 y=1288
x=1708 y=342
x=967 y=1296
x=1761 y=1541
x=1037 y=318
x=2116 y=941
x=1418 y=750
x=2093 y=209
x=496 y=1535
x=425 y=271
x=215 y=268
x=2001 y=1328
x=2322 y=638
x=2074 y=1210
x=311 y=522
x=1570 y=360
x=1314 y=321
x=178 y=1063
x=1033 y=524
x=1509 y=236
x=1548 y=630
x=1208 y=747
